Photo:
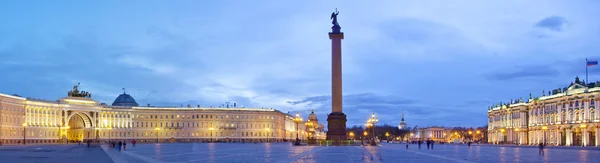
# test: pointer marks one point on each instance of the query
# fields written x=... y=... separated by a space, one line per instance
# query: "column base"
x=336 y=127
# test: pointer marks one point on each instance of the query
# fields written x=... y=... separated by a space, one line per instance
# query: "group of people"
x=121 y=144
x=428 y=142
x=89 y=142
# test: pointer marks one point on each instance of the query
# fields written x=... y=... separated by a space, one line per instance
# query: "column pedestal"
x=336 y=127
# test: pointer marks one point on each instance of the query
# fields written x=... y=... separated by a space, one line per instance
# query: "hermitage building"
x=78 y=117
x=561 y=117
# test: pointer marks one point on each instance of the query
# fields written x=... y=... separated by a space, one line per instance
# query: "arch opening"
x=77 y=128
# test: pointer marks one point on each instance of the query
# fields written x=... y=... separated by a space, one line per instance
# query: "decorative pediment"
x=575 y=86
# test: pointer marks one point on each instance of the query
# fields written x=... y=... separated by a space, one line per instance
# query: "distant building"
x=434 y=133
x=314 y=129
x=78 y=117
x=564 y=116
x=402 y=124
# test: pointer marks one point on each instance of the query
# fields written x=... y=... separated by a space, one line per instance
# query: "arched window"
x=592 y=102
x=576 y=103
x=592 y=116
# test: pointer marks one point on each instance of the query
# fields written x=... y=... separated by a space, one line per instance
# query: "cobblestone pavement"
x=284 y=152
x=52 y=153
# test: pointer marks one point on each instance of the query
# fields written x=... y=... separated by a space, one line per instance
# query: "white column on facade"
x=559 y=109
x=596 y=112
x=557 y=136
x=586 y=110
x=529 y=139
x=584 y=137
x=568 y=137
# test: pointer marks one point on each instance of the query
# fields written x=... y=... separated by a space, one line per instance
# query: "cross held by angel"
x=334 y=17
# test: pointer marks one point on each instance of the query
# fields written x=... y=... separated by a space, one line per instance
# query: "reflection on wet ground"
x=285 y=152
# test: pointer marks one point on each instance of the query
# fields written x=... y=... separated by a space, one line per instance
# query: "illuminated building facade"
x=80 y=118
x=434 y=133
x=565 y=117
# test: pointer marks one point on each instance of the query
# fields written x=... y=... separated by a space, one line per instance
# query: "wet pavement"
x=284 y=152
x=52 y=153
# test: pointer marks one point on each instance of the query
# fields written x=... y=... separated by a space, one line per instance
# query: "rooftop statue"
x=334 y=17
x=76 y=93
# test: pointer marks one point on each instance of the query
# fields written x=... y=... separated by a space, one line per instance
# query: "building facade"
x=562 y=117
x=80 y=118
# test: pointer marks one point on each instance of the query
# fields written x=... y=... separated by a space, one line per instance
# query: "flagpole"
x=586 y=72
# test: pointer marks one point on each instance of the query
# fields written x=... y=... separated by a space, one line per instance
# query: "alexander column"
x=336 y=120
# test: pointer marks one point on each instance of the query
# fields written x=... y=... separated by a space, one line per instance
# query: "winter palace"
x=78 y=117
x=562 y=117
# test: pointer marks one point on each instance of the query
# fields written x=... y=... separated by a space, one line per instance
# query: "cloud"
x=423 y=58
x=554 y=23
x=524 y=72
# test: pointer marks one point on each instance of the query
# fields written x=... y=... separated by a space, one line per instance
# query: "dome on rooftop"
x=312 y=116
x=124 y=100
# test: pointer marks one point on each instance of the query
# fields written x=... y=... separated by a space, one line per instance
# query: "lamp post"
x=544 y=128
x=387 y=135
x=157 y=129
x=211 y=134
x=478 y=134
x=267 y=130
x=372 y=121
x=297 y=119
x=502 y=134
x=24 y=132
x=1 y=120
x=364 y=136
x=471 y=135
x=109 y=133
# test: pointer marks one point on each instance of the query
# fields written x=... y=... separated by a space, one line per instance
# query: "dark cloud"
x=555 y=23
x=524 y=72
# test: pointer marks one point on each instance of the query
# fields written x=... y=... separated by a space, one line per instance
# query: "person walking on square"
x=428 y=143
x=134 y=142
x=407 y=144
x=124 y=145
x=432 y=144
x=88 y=143
x=119 y=145
x=541 y=149
x=419 y=142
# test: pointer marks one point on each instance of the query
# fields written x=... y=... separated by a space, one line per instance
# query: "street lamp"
x=544 y=128
x=371 y=122
x=364 y=136
x=387 y=135
x=211 y=133
x=351 y=134
x=502 y=132
x=297 y=119
x=157 y=129
x=24 y=132
x=267 y=129
x=109 y=133
x=479 y=134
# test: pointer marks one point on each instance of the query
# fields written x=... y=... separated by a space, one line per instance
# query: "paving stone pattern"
x=285 y=152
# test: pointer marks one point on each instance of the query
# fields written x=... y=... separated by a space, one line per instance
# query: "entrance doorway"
x=577 y=139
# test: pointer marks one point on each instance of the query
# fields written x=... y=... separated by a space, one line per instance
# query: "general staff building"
x=78 y=117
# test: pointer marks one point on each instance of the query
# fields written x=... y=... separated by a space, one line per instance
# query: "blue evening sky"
x=443 y=62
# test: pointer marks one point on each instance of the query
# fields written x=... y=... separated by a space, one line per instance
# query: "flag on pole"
x=591 y=63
